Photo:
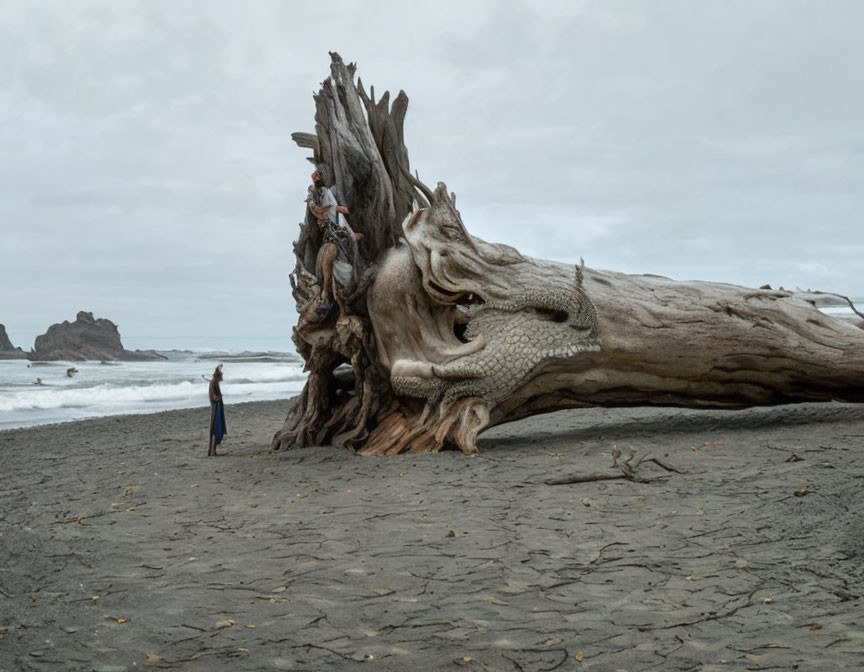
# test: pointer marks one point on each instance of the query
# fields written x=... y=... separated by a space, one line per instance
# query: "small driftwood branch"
x=840 y=296
x=627 y=470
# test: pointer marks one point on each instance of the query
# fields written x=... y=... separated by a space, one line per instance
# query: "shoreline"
x=153 y=414
x=124 y=546
x=253 y=406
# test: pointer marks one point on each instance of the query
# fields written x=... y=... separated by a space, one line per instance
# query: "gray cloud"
x=149 y=174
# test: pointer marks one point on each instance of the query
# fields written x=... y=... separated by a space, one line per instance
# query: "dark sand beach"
x=124 y=548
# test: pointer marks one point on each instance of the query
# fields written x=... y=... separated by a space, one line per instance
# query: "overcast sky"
x=148 y=174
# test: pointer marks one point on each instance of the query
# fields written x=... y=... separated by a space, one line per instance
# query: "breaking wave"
x=132 y=387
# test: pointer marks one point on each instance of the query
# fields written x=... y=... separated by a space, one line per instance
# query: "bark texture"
x=702 y=345
x=359 y=151
x=434 y=335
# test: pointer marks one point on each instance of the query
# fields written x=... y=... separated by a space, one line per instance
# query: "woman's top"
x=215 y=392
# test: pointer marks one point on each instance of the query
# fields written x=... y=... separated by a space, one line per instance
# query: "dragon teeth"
x=568 y=350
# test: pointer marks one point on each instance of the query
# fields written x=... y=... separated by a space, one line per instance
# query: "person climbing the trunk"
x=336 y=259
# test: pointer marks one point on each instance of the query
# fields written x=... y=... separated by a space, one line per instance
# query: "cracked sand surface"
x=121 y=539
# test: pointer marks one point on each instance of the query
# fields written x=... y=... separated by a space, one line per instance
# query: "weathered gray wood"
x=447 y=334
x=352 y=134
x=350 y=159
x=307 y=140
x=701 y=344
x=541 y=336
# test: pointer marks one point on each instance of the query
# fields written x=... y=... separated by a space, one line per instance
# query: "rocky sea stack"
x=85 y=338
x=7 y=350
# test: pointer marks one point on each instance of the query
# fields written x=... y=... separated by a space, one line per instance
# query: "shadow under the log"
x=610 y=425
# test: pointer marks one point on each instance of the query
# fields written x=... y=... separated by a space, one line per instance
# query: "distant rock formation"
x=7 y=350
x=85 y=338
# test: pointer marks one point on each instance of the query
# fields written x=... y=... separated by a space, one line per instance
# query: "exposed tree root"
x=458 y=424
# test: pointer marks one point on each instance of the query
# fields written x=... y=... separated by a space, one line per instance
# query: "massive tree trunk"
x=429 y=335
x=702 y=345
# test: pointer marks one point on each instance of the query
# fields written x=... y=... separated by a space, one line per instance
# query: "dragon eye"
x=451 y=233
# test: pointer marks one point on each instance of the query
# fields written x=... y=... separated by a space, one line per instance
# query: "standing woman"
x=217 y=412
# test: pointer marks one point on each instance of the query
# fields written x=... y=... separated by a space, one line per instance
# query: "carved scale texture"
x=518 y=341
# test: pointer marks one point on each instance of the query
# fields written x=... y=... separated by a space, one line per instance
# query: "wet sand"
x=124 y=548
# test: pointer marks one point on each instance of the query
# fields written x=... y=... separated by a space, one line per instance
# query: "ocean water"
x=844 y=311
x=138 y=387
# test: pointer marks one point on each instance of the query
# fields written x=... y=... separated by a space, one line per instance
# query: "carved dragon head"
x=456 y=317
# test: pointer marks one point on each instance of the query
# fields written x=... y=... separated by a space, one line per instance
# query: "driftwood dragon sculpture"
x=437 y=335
